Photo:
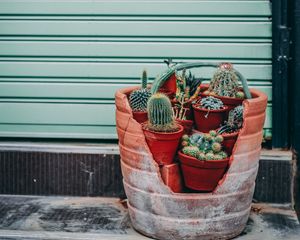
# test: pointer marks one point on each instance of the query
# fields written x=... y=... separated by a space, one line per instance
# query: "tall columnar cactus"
x=225 y=82
x=138 y=99
x=160 y=114
x=211 y=103
x=234 y=122
x=206 y=146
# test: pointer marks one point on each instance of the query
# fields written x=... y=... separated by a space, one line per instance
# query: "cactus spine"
x=225 y=82
x=160 y=114
x=138 y=99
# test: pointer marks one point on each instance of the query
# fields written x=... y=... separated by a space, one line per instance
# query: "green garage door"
x=62 y=61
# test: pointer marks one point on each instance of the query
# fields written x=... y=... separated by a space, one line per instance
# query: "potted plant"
x=183 y=116
x=209 y=113
x=161 y=131
x=203 y=162
x=230 y=129
x=225 y=86
x=138 y=100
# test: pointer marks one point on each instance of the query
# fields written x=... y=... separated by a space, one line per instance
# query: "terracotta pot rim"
x=185 y=120
x=181 y=128
x=139 y=112
x=197 y=108
x=180 y=153
x=233 y=134
x=223 y=97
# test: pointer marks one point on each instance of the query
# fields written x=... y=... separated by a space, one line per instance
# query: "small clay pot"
x=187 y=125
x=162 y=145
x=170 y=85
x=206 y=119
x=140 y=117
x=202 y=175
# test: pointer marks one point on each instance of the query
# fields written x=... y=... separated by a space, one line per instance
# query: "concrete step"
x=78 y=218
x=76 y=169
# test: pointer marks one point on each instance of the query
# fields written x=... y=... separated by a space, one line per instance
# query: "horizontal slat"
x=113 y=71
x=56 y=131
x=137 y=50
x=57 y=113
x=134 y=7
x=78 y=90
x=66 y=114
x=136 y=28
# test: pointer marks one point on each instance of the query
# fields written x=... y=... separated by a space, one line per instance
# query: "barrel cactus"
x=138 y=99
x=204 y=146
x=211 y=103
x=160 y=114
x=225 y=82
x=234 y=122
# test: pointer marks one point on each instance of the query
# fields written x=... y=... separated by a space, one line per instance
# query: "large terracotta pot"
x=156 y=211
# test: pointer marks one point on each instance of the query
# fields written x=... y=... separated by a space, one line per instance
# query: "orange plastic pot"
x=206 y=120
x=187 y=125
x=202 y=175
x=140 y=117
x=163 y=145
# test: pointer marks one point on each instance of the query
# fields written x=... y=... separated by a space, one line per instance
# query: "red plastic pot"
x=187 y=125
x=207 y=120
x=202 y=175
x=229 y=141
x=163 y=146
x=170 y=85
x=140 y=117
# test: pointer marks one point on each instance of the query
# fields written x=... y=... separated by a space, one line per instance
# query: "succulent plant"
x=138 y=99
x=225 y=82
x=160 y=114
x=234 y=122
x=192 y=151
x=204 y=146
x=211 y=103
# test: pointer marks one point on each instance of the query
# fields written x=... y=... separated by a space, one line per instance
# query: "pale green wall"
x=62 y=61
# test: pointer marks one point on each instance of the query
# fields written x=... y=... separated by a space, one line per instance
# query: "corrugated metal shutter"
x=62 y=61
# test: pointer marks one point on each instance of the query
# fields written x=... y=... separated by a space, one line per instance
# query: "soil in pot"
x=202 y=175
x=163 y=145
x=206 y=120
x=140 y=117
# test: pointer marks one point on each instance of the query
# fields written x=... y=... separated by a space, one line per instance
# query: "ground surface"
x=31 y=218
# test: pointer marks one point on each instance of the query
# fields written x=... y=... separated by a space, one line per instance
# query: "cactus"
x=225 y=82
x=191 y=151
x=138 y=99
x=204 y=146
x=211 y=103
x=234 y=122
x=160 y=114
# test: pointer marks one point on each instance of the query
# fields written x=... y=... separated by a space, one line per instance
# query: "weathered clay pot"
x=229 y=141
x=158 y=212
x=202 y=175
x=187 y=125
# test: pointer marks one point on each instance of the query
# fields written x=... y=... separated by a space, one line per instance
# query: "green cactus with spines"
x=192 y=151
x=208 y=145
x=211 y=103
x=138 y=99
x=234 y=122
x=225 y=82
x=160 y=114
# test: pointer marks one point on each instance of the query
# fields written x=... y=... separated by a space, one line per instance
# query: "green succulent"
x=192 y=151
x=138 y=99
x=211 y=103
x=234 y=122
x=160 y=114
